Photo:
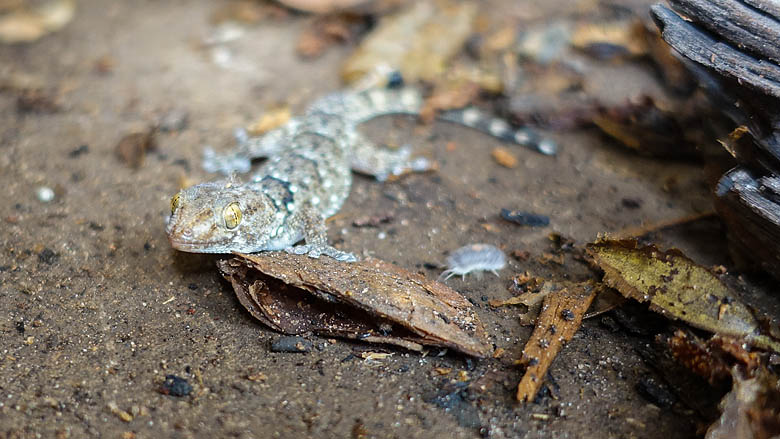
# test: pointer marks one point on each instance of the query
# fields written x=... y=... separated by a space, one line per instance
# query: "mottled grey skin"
x=287 y=199
x=306 y=177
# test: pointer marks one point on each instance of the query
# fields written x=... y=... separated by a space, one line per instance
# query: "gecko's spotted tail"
x=473 y=117
x=362 y=106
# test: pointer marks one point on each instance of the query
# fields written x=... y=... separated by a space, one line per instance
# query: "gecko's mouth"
x=196 y=247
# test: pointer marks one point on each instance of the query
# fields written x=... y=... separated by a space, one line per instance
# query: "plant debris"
x=751 y=410
x=322 y=6
x=646 y=128
x=371 y=301
x=712 y=359
x=418 y=41
x=29 y=23
x=270 y=119
x=561 y=316
x=448 y=95
x=329 y=30
x=132 y=149
x=525 y=218
x=678 y=288
x=504 y=157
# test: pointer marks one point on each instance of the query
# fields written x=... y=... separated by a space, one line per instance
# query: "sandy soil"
x=97 y=308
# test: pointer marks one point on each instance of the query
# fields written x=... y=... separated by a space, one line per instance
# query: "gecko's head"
x=219 y=217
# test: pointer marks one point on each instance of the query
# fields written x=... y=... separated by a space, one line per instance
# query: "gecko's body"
x=306 y=177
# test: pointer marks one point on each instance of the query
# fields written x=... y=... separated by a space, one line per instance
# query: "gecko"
x=307 y=175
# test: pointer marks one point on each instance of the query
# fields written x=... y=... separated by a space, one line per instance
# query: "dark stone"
x=525 y=218
x=82 y=149
x=656 y=392
x=175 y=386
x=48 y=256
x=631 y=203
x=292 y=344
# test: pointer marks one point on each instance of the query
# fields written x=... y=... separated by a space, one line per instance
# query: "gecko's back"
x=307 y=175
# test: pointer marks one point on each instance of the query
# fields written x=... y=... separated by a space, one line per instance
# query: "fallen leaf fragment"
x=247 y=12
x=713 y=359
x=121 y=414
x=504 y=157
x=28 y=24
x=608 y=40
x=327 y=31
x=375 y=356
x=561 y=316
x=648 y=128
x=271 y=119
x=448 y=95
x=678 y=288
x=418 y=41
x=256 y=376
x=132 y=148
x=371 y=301
x=322 y=6
x=751 y=410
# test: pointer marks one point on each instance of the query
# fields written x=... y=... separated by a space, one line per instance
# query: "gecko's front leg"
x=311 y=222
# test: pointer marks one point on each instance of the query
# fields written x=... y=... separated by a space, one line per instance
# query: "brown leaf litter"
x=372 y=301
x=560 y=318
x=678 y=288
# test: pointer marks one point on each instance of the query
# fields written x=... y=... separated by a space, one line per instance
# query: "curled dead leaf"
x=371 y=301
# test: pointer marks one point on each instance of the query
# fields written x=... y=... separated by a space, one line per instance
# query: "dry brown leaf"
x=328 y=30
x=561 y=316
x=624 y=38
x=418 y=41
x=247 y=12
x=371 y=301
x=29 y=24
x=447 y=96
x=271 y=119
x=323 y=6
x=132 y=149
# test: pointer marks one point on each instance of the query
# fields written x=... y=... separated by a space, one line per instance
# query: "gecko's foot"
x=314 y=251
x=225 y=164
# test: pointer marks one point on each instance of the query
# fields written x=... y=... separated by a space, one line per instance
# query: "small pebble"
x=44 y=194
x=83 y=149
x=504 y=157
x=656 y=392
x=175 y=386
x=174 y=120
x=293 y=344
x=525 y=218
x=631 y=203
x=48 y=256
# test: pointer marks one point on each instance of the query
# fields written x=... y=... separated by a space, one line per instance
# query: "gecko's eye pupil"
x=174 y=203
x=232 y=215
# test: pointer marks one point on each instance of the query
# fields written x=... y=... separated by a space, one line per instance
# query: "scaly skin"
x=306 y=177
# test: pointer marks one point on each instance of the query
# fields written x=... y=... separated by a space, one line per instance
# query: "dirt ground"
x=97 y=308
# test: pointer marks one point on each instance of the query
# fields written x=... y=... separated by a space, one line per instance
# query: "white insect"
x=474 y=257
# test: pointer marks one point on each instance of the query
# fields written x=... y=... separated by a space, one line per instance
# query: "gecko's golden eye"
x=174 y=202
x=232 y=215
